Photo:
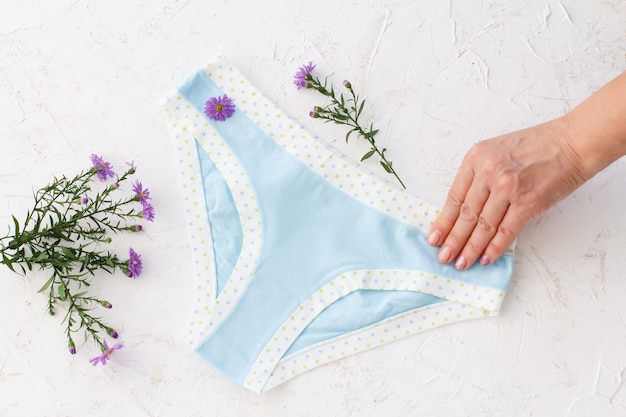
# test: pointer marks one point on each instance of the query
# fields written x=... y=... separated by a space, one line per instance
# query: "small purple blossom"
x=132 y=165
x=85 y=200
x=147 y=211
x=138 y=228
x=300 y=78
x=104 y=168
x=143 y=194
x=134 y=264
x=106 y=354
x=219 y=108
x=72 y=347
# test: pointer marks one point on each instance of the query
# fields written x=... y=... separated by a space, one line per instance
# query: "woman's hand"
x=502 y=183
x=505 y=181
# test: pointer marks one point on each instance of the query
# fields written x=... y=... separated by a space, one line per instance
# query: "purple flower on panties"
x=300 y=78
x=134 y=264
x=106 y=354
x=219 y=108
x=103 y=168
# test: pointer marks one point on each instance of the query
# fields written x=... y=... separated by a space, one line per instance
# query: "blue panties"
x=302 y=256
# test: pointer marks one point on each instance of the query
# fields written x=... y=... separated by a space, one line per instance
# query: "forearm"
x=596 y=129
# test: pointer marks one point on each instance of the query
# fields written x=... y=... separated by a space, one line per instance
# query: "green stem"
x=349 y=117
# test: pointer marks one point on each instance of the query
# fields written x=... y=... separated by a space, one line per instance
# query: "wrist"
x=595 y=129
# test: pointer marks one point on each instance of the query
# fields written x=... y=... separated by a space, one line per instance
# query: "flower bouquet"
x=66 y=233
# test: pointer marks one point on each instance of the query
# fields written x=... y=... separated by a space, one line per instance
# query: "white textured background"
x=78 y=77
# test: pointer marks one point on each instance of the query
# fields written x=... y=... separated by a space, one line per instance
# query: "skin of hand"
x=505 y=181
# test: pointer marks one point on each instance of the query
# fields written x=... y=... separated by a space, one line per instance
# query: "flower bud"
x=72 y=347
x=315 y=113
x=347 y=84
x=105 y=304
x=111 y=332
x=84 y=200
x=137 y=228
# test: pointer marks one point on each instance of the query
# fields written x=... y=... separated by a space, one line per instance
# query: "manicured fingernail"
x=444 y=255
x=434 y=238
x=484 y=261
x=460 y=263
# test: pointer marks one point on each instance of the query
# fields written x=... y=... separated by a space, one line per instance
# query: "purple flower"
x=106 y=354
x=219 y=108
x=147 y=211
x=143 y=194
x=103 y=167
x=85 y=200
x=300 y=78
x=138 y=228
x=134 y=264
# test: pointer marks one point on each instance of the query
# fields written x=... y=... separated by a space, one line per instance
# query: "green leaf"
x=62 y=292
x=68 y=252
x=387 y=167
x=46 y=285
x=40 y=256
x=8 y=262
x=360 y=109
x=341 y=117
x=17 y=226
x=370 y=134
x=348 y=134
x=86 y=261
x=368 y=155
x=37 y=224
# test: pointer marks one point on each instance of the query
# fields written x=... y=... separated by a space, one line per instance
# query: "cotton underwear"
x=301 y=256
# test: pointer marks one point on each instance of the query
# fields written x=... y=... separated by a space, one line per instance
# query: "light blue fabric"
x=371 y=305
x=226 y=230
x=312 y=233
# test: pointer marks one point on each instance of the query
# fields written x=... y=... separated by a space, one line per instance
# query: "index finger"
x=452 y=208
